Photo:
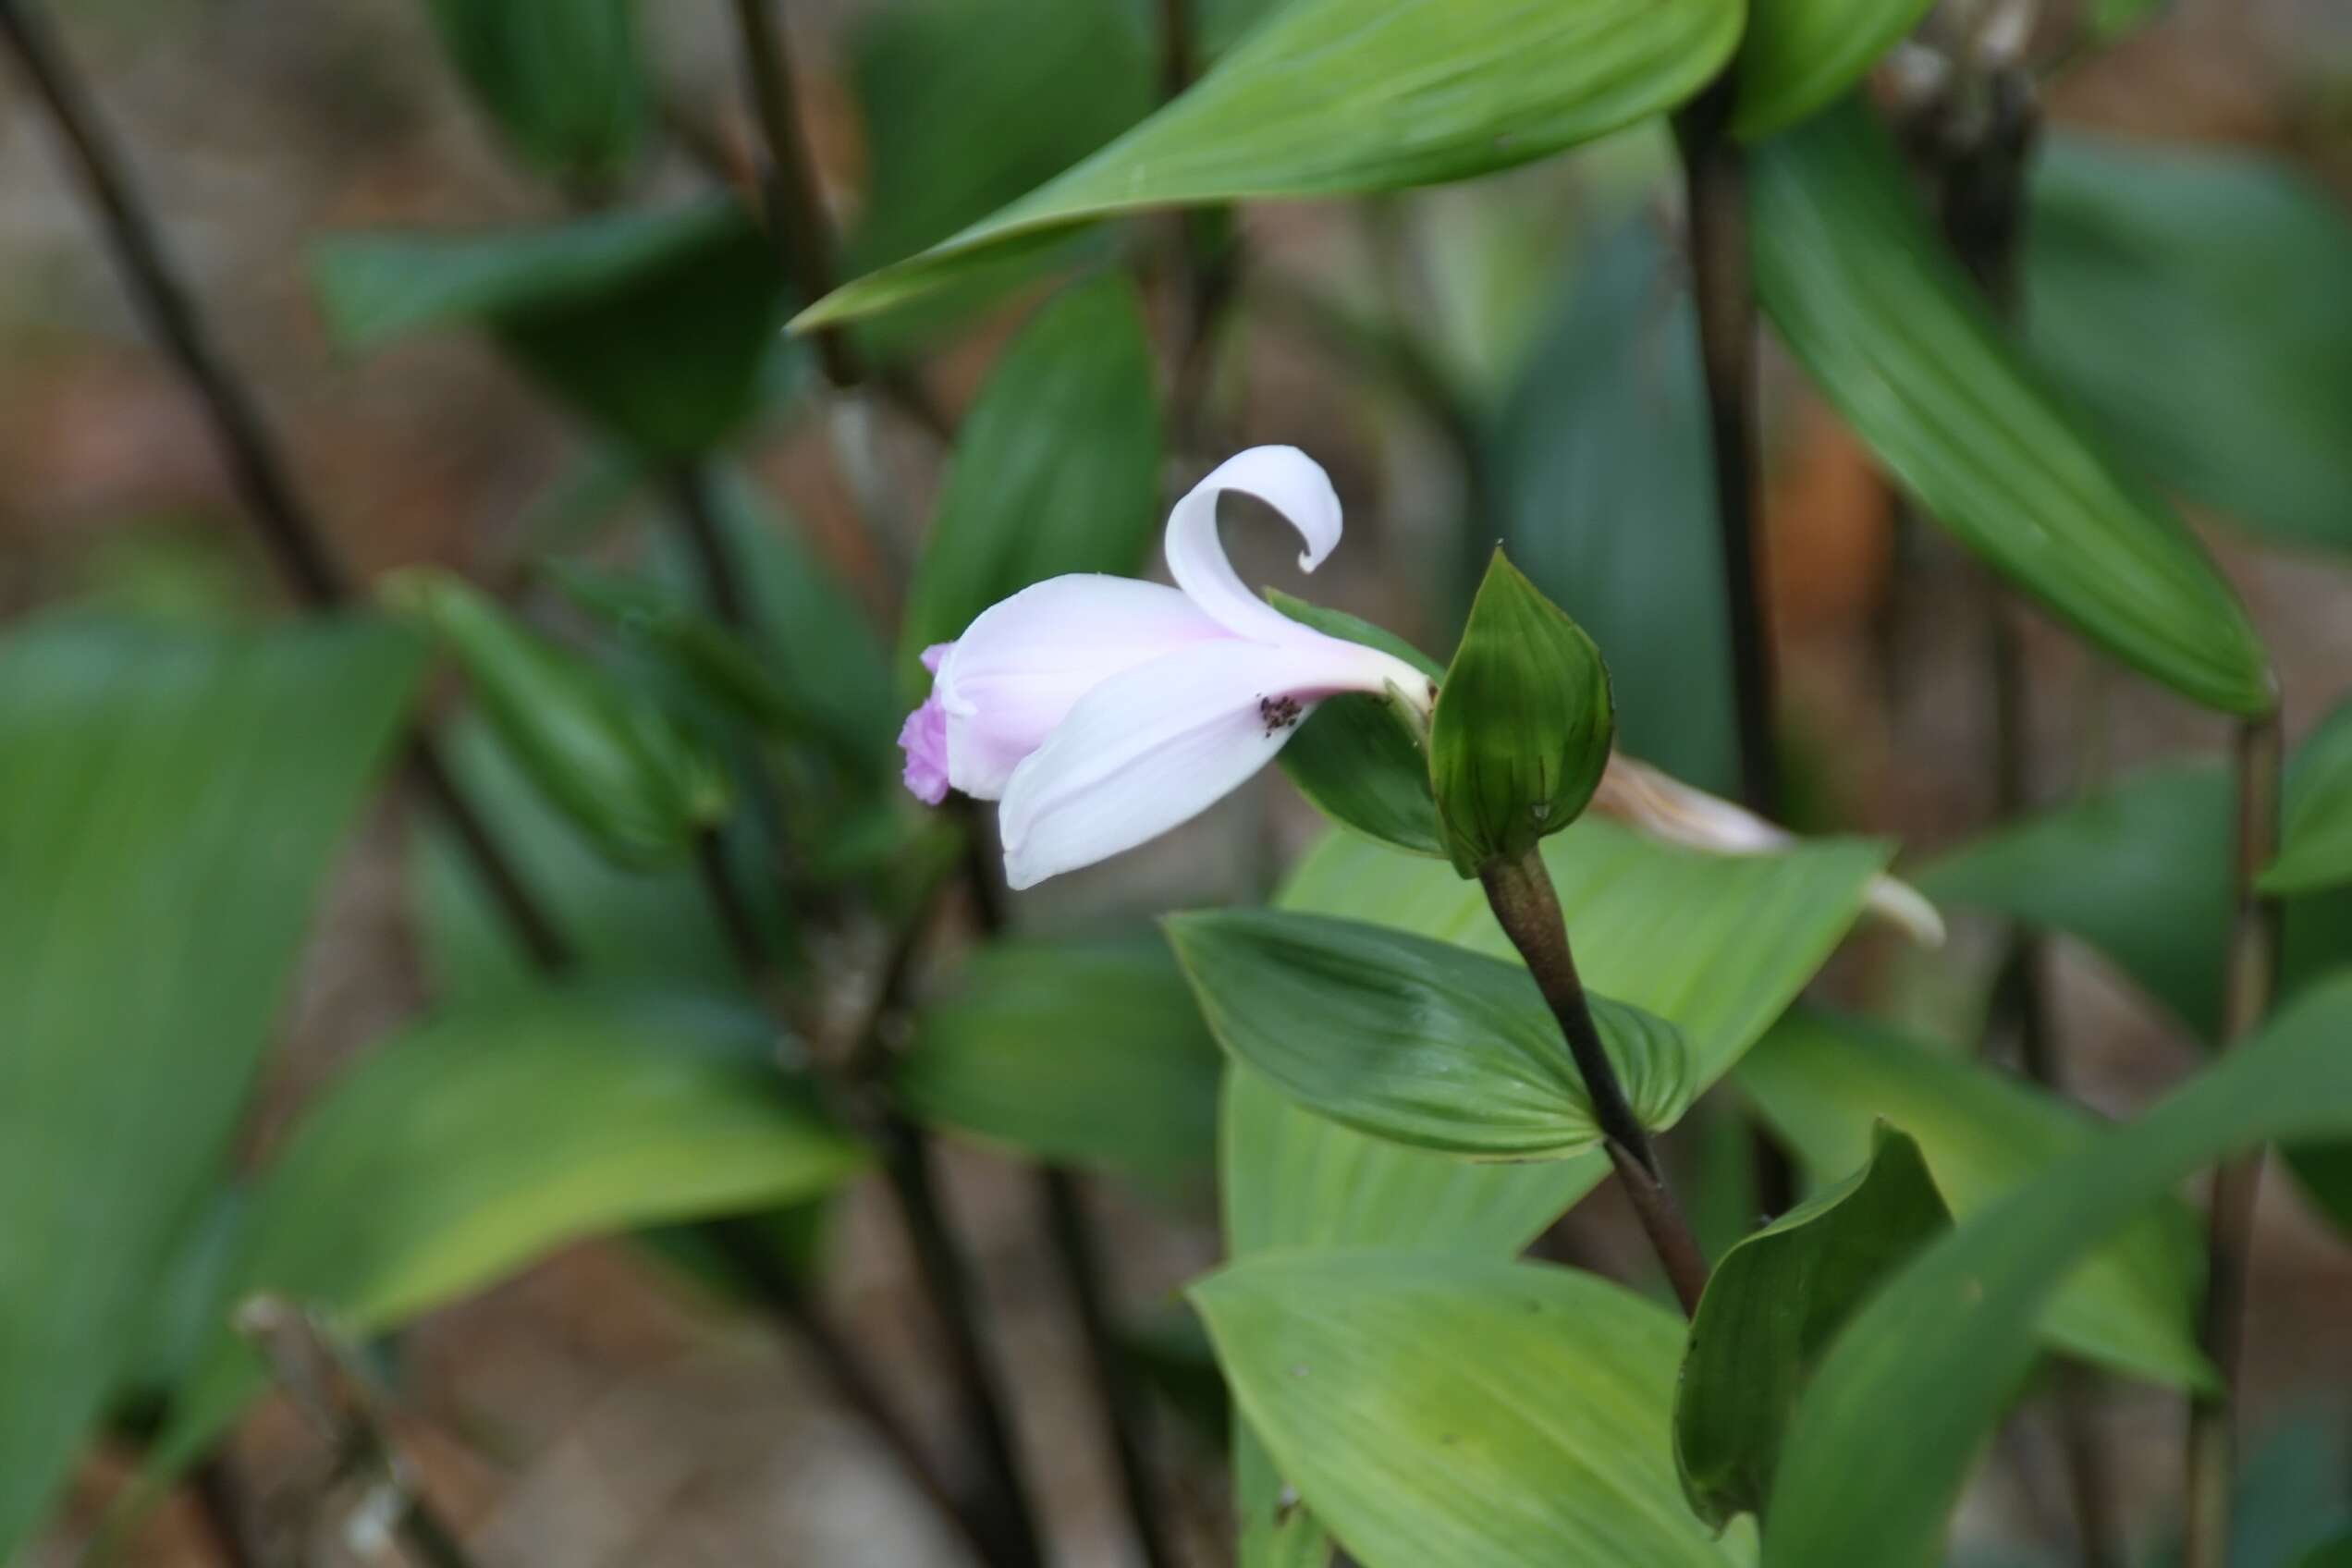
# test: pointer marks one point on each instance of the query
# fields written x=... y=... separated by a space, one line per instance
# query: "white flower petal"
x=1664 y=807
x=1024 y=663
x=1284 y=478
x=1157 y=745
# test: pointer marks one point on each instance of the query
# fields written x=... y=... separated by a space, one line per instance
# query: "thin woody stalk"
x=261 y=477
x=298 y=545
x=1521 y=894
x=2252 y=978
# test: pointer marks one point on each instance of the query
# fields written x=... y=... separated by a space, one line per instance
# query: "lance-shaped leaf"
x=1770 y=1307
x=659 y=328
x=1357 y=757
x=1056 y=468
x=631 y=779
x=1338 y=97
x=169 y=802
x=2190 y=300
x=1416 y=1041
x=1799 y=56
x=1892 y=331
x=1475 y=1413
x=1523 y=725
x=1716 y=946
x=1822 y=1081
x=564 y=80
x=1912 y=1388
x=474 y=1144
x=1088 y=1053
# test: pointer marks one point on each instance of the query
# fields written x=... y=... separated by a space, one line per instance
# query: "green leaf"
x=808 y=624
x=1716 y=946
x=1473 y=1413
x=1338 y=97
x=2141 y=872
x=2337 y=1553
x=1865 y=294
x=1085 y=1053
x=600 y=752
x=474 y=1144
x=564 y=80
x=1800 y=56
x=1822 y=1081
x=169 y=803
x=656 y=327
x=1056 y=470
x=621 y=922
x=1772 y=1305
x=2186 y=298
x=1416 y=1041
x=1912 y=1388
x=1358 y=759
x=1600 y=472
x=1051 y=80
x=718 y=662
x=1523 y=725
x=2316 y=848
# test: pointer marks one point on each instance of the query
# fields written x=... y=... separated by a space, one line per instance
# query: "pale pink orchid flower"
x=1101 y=712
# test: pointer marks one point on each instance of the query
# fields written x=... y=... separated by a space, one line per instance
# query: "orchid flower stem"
x=2253 y=979
x=259 y=474
x=1527 y=907
x=796 y=221
x=1128 y=1410
x=1715 y=183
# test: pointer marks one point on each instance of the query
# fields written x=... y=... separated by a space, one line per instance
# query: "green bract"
x=600 y=753
x=1522 y=723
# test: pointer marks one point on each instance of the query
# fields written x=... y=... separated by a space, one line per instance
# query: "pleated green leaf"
x=1475 y=1413
x=2188 y=297
x=1911 y=1391
x=1416 y=1041
x=1866 y=296
x=472 y=1146
x=1056 y=470
x=1085 y=1053
x=1339 y=97
x=564 y=80
x=1772 y=1305
x=1716 y=946
x=1822 y=1081
x=1357 y=757
x=1799 y=56
x=659 y=329
x=169 y=802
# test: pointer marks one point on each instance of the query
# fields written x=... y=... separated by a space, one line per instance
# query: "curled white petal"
x=1284 y=478
x=1664 y=807
x=1024 y=663
x=1156 y=746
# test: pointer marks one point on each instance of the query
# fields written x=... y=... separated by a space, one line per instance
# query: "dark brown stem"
x=1001 y=1521
x=2253 y=977
x=294 y=539
x=1177 y=65
x=1126 y=1410
x=328 y=1392
x=796 y=220
x=1715 y=188
x=1525 y=905
x=220 y=1499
